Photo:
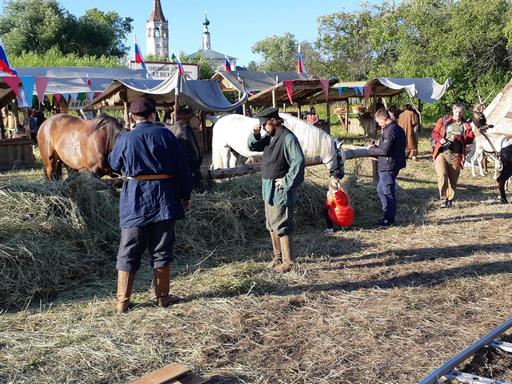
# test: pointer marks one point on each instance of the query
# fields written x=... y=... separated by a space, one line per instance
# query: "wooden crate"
x=15 y=153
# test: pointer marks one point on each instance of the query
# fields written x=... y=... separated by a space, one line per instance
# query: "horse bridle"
x=339 y=167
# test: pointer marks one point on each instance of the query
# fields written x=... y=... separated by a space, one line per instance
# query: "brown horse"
x=80 y=144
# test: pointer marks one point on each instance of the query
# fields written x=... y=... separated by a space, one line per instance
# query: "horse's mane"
x=111 y=125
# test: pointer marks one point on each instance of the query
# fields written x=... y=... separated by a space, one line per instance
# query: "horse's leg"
x=474 y=160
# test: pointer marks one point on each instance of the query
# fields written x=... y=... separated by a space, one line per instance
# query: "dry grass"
x=365 y=305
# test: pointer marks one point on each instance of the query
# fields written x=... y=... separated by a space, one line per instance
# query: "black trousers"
x=158 y=238
x=328 y=220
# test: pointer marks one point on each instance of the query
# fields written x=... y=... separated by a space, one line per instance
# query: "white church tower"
x=157 y=32
x=207 y=44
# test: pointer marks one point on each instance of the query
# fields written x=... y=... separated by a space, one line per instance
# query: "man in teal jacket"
x=282 y=172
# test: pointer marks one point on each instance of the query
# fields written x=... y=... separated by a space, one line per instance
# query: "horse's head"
x=112 y=128
x=336 y=164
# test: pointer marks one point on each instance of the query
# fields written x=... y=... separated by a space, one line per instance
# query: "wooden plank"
x=163 y=375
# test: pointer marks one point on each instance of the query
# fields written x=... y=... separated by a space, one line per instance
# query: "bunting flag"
x=12 y=82
x=227 y=64
x=5 y=66
x=22 y=99
x=367 y=90
x=181 y=71
x=41 y=85
x=28 y=87
x=58 y=98
x=73 y=97
x=50 y=99
x=325 y=87
x=340 y=90
x=90 y=96
x=300 y=64
x=289 y=89
x=82 y=96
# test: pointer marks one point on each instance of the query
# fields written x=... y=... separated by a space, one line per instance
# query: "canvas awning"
x=253 y=82
x=425 y=89
x=204 y=95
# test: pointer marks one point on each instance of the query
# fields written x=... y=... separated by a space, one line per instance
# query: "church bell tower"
x=157 y=32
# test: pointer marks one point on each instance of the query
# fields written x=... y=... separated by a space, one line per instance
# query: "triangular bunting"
x=41 y=85
x=82 y=96
x=367 y=92
x=289 y=89
x=325 y=87
x=58 y=98
x=90 y=96
x=22 y=99
x=340 y=90
x=28 y=87
x=13 y=83
x=50 y=99
x=73 y=97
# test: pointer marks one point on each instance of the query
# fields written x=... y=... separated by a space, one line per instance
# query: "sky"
x=234 y=26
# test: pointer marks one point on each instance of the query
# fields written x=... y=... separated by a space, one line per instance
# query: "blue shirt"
x=147 y=150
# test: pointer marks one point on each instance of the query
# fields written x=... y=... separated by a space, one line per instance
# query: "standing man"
x=188 y=140
x=451 y=134
x=408 y=120
x=391 y=159
x=282 y=172
x=153 y=197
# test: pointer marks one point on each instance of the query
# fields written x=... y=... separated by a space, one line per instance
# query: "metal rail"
x=447 y=369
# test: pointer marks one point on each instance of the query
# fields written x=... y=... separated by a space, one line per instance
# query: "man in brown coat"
x=408 y=120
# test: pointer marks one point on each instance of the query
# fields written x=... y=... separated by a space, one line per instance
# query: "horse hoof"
x=503 y=201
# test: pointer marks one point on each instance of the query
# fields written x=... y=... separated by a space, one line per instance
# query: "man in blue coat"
x=154 y=195
x=391 y=159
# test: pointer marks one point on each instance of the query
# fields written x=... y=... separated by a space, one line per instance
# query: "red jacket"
x=339 y=209
x=439 y=133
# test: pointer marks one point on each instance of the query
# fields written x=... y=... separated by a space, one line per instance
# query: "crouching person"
x=282 y=172
x=337 y=207
x=506 y=172
x=154 y=195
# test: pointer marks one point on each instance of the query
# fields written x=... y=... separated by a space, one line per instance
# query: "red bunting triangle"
x=289 y=89
x=325 y=87
x=13 y=83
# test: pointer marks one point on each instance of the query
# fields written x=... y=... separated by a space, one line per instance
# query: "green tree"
x=279 y=53
x=53 y=57
x=206 y=69
x=38 y=25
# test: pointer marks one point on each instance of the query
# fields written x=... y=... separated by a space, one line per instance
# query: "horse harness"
x=339 y=167
x=493 y=152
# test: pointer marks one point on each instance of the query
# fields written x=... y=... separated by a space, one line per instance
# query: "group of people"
x=159 y=165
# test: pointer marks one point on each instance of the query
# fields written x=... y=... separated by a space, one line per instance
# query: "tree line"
x=469 y=41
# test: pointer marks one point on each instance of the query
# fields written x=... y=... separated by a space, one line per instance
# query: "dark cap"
x=267 y=114
x=143 y=106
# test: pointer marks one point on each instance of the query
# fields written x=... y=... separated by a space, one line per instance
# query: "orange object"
x=339 y=209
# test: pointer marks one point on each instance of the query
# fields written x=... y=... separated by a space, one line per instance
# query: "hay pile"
x=53 y=235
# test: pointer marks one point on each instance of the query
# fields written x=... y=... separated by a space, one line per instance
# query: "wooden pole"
x=298 y=111
x=26 y=123
x=274 y=103
x=375 y=171
x=346 y=116
x=328 y=109
x=176 y=99
x=126 y=114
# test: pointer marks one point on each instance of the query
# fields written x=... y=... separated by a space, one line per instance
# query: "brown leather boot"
x=276 y=246
x=288 y=257
x=124 y=290
x=162 y=281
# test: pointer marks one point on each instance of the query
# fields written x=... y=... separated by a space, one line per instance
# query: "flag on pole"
x=300 y=64
x=180 y=66
x=227 y=64
x=138 y=55
x=4 y=61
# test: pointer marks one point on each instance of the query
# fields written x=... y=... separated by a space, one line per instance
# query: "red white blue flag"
x=181 y=71
x=227 y=64
x=300 y=64
x=138 y=56
x=4 y=61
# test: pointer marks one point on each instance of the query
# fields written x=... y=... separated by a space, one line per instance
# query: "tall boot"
x=276 y=246
x=162 y=281
x=288 y=256
x=124 y=290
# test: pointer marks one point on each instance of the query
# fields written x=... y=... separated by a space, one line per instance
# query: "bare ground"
x=365 y=305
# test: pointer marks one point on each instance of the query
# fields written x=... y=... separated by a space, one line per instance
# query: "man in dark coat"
x=188 y=140
x=154 y=196
x=391 y=158
x=282 y=172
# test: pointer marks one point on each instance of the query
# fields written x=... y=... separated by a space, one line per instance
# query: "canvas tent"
x=499 y=111
x=253 y=82
x=204 y=95
x=425 y=89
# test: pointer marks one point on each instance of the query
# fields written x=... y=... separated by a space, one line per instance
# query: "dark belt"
x=157 y=176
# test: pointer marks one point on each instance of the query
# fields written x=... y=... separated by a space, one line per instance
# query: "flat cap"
x=143 y=106
x=267 y=114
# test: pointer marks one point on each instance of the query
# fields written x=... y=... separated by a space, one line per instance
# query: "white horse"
x=488 y=144
x=231 y=132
